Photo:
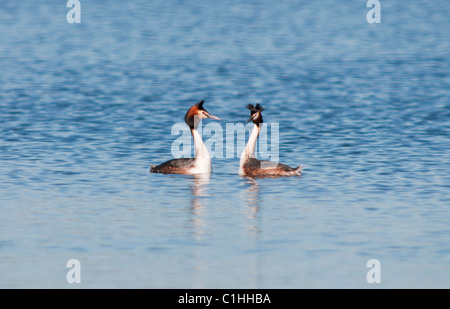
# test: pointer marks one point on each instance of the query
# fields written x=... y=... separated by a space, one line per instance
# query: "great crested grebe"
x=201 y=163
x=249 y=165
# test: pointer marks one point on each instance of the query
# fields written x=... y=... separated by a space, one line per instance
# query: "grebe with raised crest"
x=201 y=163
x=249 y=165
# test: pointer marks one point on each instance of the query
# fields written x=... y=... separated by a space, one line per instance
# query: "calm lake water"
x=86 y=108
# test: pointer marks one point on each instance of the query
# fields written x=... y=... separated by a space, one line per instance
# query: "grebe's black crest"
x=200 y=104
x=254 y=109
x=259 y=107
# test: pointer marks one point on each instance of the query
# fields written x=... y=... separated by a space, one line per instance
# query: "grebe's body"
x=201 y=163
x=249 y=165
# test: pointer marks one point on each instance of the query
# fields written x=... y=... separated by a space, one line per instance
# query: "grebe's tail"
x=299 y=169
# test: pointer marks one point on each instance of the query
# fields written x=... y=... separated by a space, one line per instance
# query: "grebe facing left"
x=201 y=163
x=249 y=165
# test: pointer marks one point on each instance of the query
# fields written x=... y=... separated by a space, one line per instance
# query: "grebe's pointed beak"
x=210 y=116
x=252 y=117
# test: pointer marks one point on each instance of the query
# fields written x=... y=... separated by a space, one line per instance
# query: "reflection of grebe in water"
x=249 y=165
x=199 y=202
x=252 y=196
x=199 y=188
x=201 y=163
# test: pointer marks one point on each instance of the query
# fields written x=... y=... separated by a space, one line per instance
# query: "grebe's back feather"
x=255 y=167
x=174 y=166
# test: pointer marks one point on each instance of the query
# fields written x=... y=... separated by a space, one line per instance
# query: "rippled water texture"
x=86 y=108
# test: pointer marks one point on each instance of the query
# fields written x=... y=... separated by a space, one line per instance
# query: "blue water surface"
x=86 y=108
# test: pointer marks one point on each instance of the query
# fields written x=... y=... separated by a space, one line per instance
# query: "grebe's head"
x=255 y=113
x=197 y=112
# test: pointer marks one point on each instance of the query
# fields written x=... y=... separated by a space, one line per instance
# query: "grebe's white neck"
x=202 y=157
x=249 y=151
x=201 y=152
